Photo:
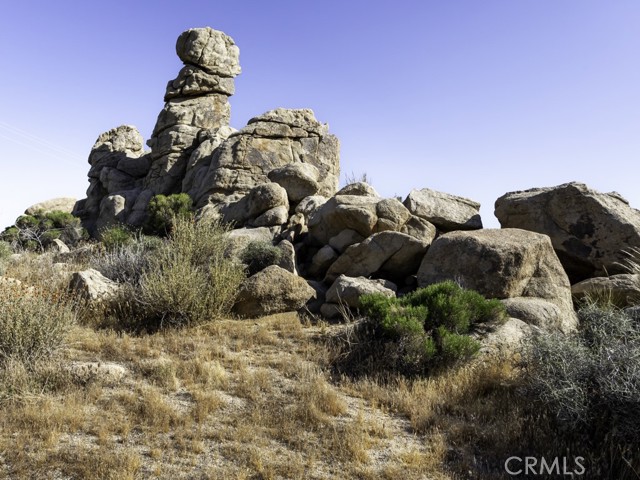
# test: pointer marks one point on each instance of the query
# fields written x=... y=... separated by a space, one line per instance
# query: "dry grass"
x=232 y=399
x=249 y=400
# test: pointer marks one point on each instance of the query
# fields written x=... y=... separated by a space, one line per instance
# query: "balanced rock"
x=447 y=212
x=272 y=290
x=501 y=264
x=590 y=231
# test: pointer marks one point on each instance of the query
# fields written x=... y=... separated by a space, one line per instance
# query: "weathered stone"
x=195 y=81
x=309 y=204
x=62 y=204
x=387 y=254
x=272 y=290
x=622 y=290
x=321 y=261
x=92 y=285
x=288 y=258
x=241 y=237
x=210 y=50
x=505 y=340
x=117 y=163
x=447 y=212
x=365 y=215
x=348 y=290
x=332 y=311
x=535 y=311
x=200 y=159
x=345 y=239
x=300 y=180
x=590 y=231
x=360 y=189
x=59 y=246
x=273 y=216
x=501 y=264
x=247 y=157
x=315 y=304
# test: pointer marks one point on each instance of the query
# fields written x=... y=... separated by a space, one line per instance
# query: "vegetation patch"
x=419 y=332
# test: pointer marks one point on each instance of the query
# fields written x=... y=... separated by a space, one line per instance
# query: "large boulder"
x=447 y=212
x=622 y=289
x=348 y=290
x=391 y=255
x=505 y=263
x=62 y=204
x=589 y=230
x=272 y=290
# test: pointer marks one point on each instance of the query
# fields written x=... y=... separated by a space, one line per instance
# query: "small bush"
x=36 y=232
x=590 y=384
x=189 y=279
x=125 y=264
x=422 y=331
x=163 y=209
x=116 y=237
x=259 y=255
x=32 y=324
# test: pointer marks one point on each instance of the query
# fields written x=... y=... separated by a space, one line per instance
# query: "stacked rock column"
x=196 y=100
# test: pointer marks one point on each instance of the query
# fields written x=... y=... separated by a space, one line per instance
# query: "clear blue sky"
x=474 y=98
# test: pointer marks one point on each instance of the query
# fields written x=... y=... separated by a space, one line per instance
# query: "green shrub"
x=589 y=383
x=117 y=236
x=163 y=209
x=189 y=279
x=258 y=255
x=429 y=327
x=36 y=232
x=32 y=324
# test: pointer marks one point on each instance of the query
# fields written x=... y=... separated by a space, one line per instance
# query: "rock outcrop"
x=447 y=212
x=590 y=231
x=276 y=181
x=507 y=263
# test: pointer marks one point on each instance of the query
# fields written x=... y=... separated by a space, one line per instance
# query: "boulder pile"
x=276 y=180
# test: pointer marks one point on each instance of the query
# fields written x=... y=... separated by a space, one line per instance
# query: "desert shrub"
x=589 y=383
x=117 y=236
x=124 y=264
x=5 y=253
x=33 y=323
x=422 y=331
x=258 y=255
x=36 y=232
x=189 y=279
x=163 y=209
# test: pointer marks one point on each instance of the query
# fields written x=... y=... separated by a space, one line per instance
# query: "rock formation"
x=505 y=264
x=276 y=181
x=590 y=231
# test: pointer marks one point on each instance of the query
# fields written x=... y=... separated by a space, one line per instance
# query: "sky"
x=473 y=98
